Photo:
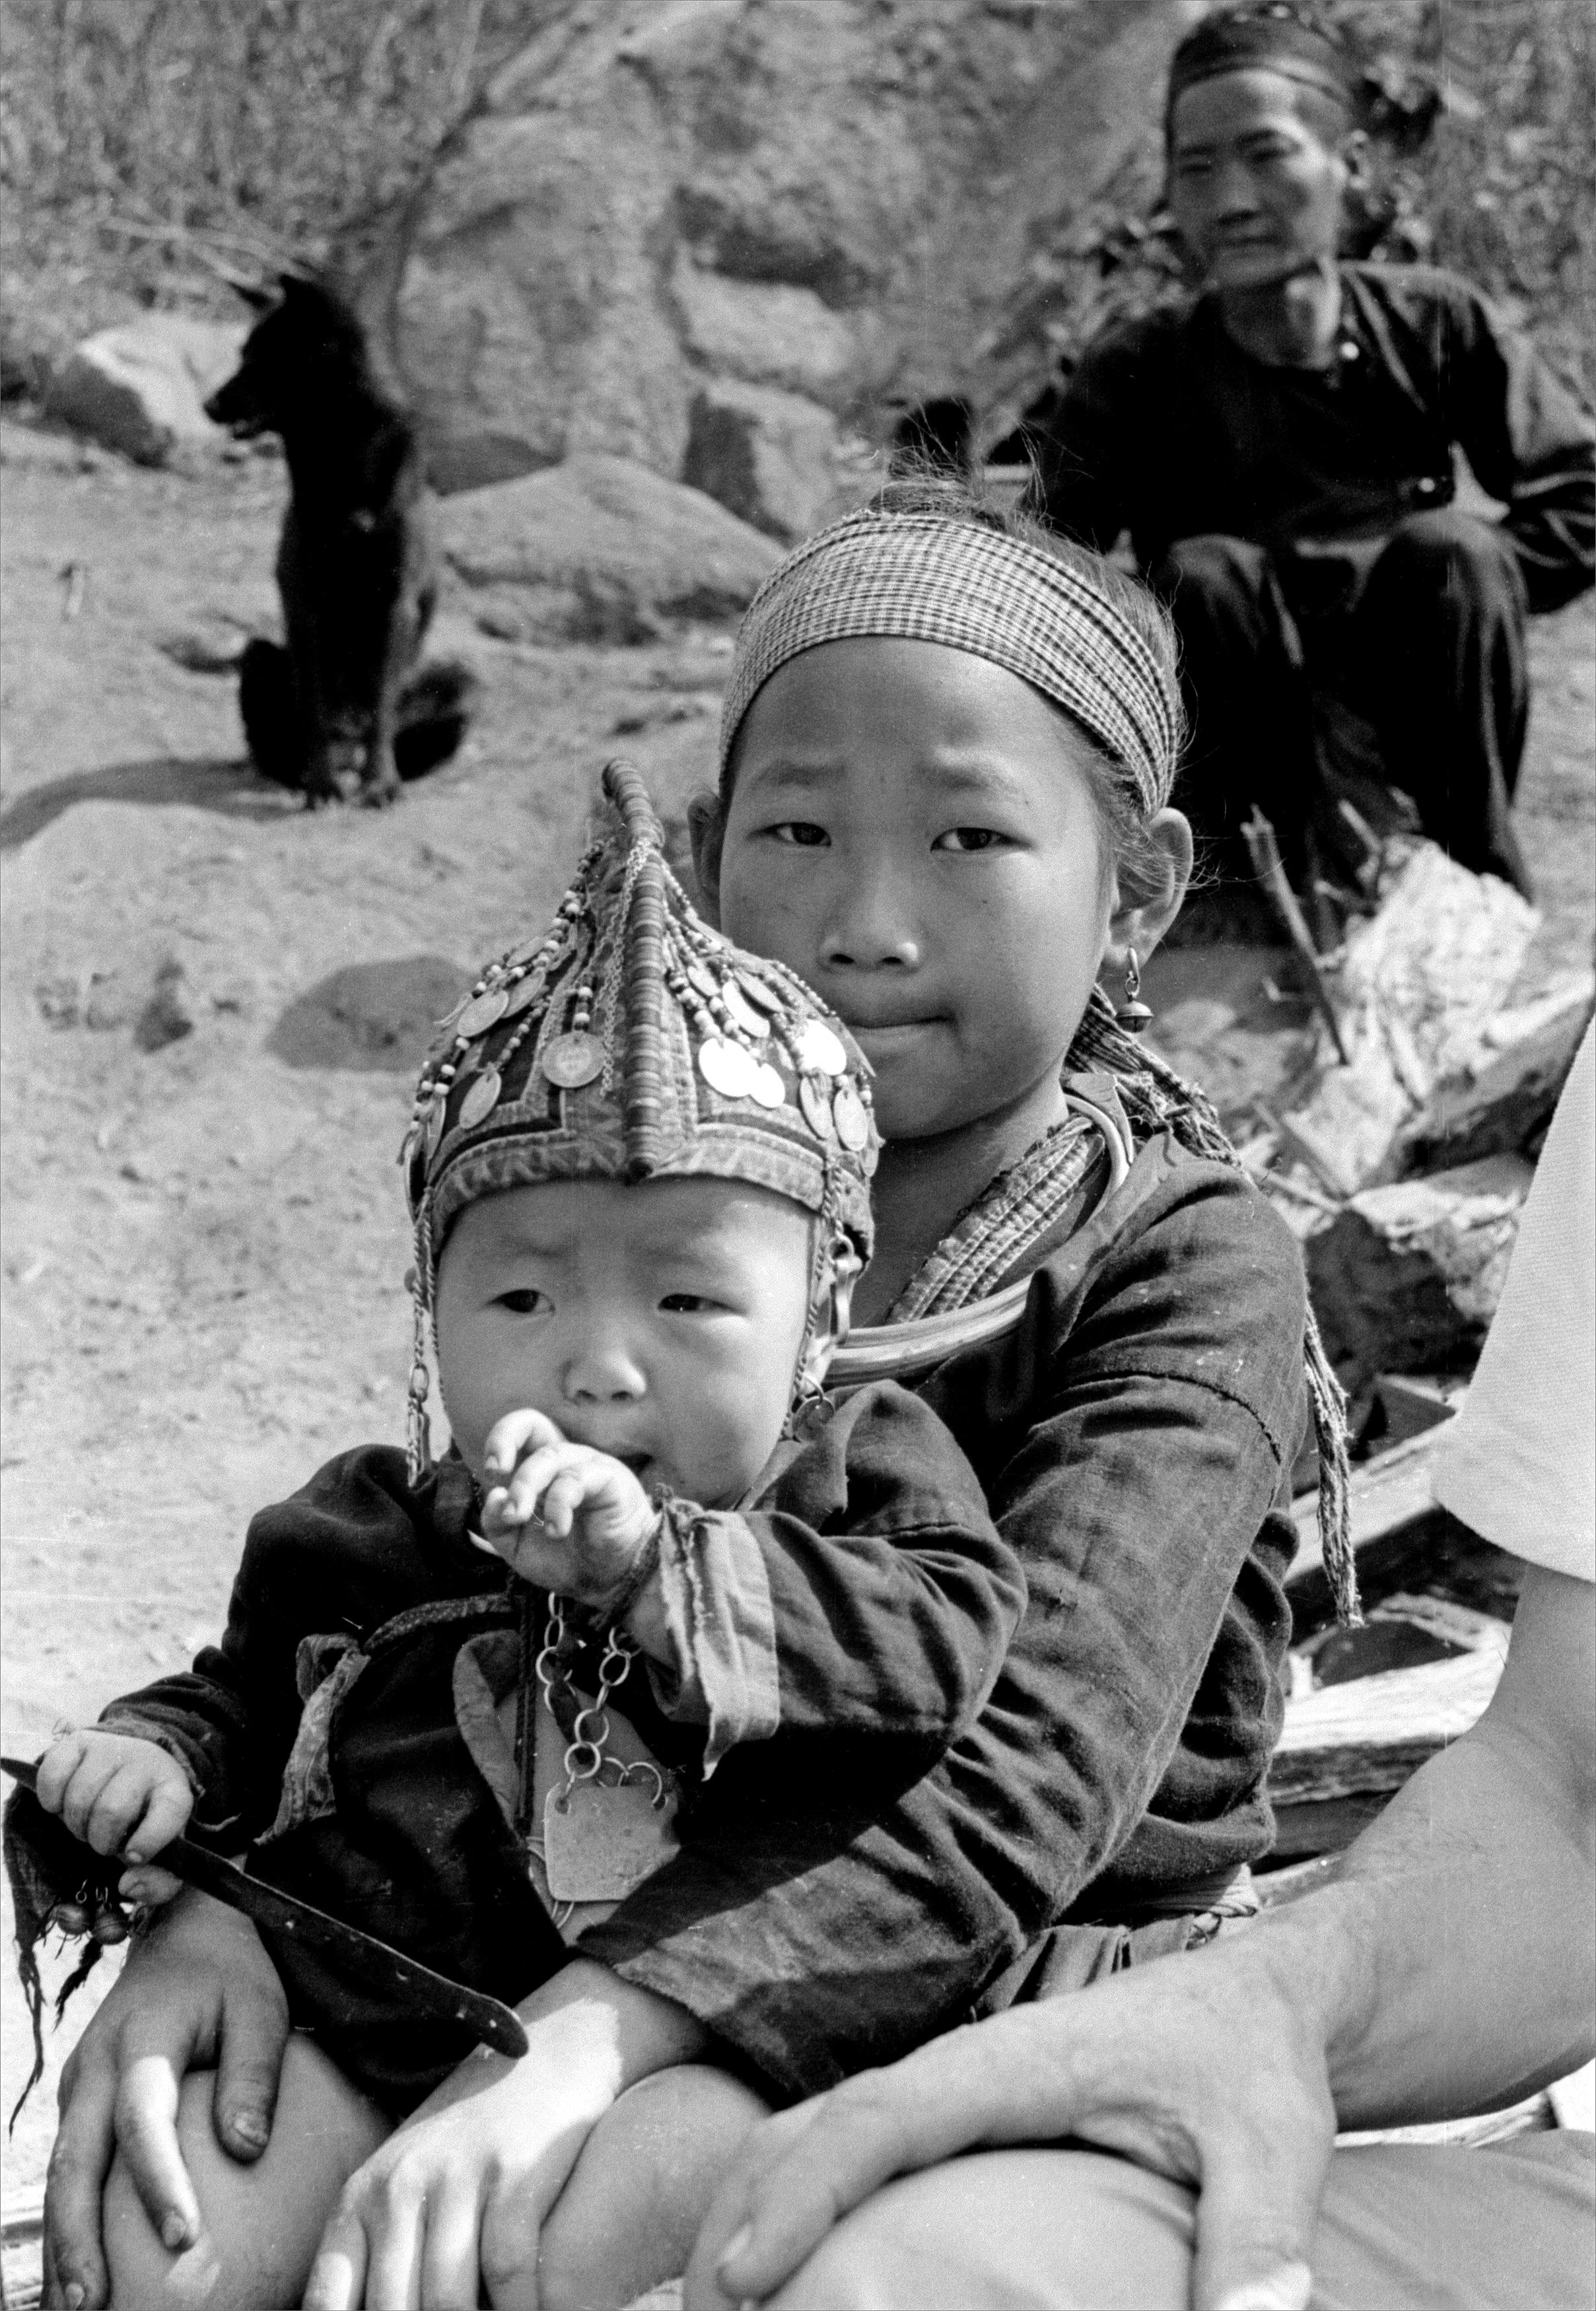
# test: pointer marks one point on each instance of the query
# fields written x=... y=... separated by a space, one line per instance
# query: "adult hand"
x=199 y=1992
x=453 y=2204
x=566 y=1517
x=1205 y=2068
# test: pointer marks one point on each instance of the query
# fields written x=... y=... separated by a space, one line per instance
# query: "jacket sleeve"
x=865 y=1593
x=1136 y=1440
x=338 y=1556
x=1529 y=443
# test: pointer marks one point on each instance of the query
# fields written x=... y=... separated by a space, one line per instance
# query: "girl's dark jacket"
x=865 y=1877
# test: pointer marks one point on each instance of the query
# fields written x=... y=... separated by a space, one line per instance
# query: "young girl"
x=947 y=753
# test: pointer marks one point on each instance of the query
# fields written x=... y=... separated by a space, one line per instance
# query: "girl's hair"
x=928 y=489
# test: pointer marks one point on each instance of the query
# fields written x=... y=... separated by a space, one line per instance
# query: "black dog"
x=341 y=713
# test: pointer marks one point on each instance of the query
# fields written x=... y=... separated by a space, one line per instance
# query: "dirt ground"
x=204 y=1241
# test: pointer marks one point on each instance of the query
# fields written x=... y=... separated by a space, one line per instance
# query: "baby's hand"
x=119 y=1794
x=566 y=1517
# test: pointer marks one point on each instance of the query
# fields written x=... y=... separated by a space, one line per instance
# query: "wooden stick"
x=1264 y=853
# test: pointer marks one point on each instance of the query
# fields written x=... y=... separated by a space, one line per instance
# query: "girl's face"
x=913 y=830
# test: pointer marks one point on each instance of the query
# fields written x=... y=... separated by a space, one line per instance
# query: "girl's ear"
x=1162 y=879
x=706 y=831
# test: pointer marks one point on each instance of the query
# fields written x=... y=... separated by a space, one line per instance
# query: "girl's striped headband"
x=928 y=577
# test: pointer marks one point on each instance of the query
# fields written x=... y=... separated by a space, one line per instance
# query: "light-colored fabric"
x=1402 y=2228
x=930 y=578
x=722 y=1627
x=1519 y=1462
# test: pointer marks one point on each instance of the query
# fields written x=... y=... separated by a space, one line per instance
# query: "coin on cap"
x=767 y=1086
x=819 y=1051
x=727 y=1067
x=523 y=992
x=757 y=991
x=848 y=1114
x=814 y=1097
x=480 y=1100
x=573 y=1059
x=751 y=1022
x=482 y=1011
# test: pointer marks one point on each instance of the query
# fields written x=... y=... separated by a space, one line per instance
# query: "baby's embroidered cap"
x=631 y=1042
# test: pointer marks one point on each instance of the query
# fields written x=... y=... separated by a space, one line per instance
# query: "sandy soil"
x=204 y=1242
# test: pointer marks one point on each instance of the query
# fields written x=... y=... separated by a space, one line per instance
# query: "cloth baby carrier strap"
x=946 y=1305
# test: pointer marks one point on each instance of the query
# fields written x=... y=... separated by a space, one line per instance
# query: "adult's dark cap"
x=1288 y=37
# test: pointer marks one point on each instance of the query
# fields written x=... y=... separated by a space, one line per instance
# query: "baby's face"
x=660 y=1324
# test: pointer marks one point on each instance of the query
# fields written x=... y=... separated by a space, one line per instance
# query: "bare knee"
x=629 y=2214
x=259 y=2224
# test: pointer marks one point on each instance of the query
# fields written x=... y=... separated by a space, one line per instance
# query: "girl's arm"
x=864 y=1595
x=455 y=2200
x=1135 y=1435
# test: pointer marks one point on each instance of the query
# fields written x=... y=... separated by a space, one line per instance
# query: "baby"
x=737 y=1620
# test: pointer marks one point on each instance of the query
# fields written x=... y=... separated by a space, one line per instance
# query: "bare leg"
x=631 y=2210
x=262 y=2223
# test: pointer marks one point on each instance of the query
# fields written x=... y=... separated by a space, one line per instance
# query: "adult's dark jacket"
x=1170 y=428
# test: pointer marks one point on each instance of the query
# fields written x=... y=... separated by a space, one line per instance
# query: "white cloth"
x=1519 y=1464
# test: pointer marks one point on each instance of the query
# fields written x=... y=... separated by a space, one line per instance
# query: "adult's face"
x=1255 y=190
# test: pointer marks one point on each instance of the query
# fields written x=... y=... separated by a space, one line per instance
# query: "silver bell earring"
x=1133 y=1015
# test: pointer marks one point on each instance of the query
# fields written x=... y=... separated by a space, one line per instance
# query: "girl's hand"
x=452 y=2205
x=566 y=1517
x=117 y=1793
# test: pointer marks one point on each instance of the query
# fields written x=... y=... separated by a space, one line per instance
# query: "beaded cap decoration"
x=631 y=1042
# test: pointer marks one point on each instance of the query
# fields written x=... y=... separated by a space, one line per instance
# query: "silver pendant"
x=573 y=1059
x=816 y=1100
x=752 y=1022
x=819 y=1051
x=726 y=1068
x=599 y=1844
x=482 y=1012
x=767 y=1086
x=848 y=1114
x=480 y=1100
x=704 y=980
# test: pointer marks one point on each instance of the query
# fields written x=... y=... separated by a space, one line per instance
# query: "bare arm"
x=1448 y=1970
x=1458 y=1938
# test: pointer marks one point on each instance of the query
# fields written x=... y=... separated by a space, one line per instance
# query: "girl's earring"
x=1133 y=1015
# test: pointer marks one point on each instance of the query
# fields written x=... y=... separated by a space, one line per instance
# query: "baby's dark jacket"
x=890 y=1598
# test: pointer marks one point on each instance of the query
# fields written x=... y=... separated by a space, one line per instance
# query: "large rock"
x=141 y=388
x=599 y=549
x=1407 y=1277
x=835 y=201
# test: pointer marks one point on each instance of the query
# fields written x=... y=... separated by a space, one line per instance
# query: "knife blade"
x=375 y=1964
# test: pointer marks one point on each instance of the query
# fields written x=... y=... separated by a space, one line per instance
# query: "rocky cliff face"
x=731 y=239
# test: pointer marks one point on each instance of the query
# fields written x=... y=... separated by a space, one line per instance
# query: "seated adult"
x=1447 y=1969
x=1282 y=454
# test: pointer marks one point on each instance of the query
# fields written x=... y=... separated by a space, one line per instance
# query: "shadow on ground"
x=212 y=782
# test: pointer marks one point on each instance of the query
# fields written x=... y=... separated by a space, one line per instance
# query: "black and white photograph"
x=798 y=1154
